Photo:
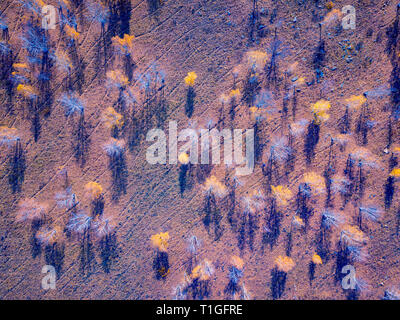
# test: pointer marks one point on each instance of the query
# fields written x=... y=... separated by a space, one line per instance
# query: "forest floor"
x=210 y=38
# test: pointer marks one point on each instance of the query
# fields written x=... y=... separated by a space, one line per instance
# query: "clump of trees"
x=234 y=288
x=190 y=80
x=155 y=106
x=320 y=114
x=315 y=260
x=251 y=206
x=330 y=220
x=115 y=149
x=283 y=265
x=214 y=192
x=113 y=120
x=160 y=263
x=255 y=64
x=94 y=191
x=74 y=105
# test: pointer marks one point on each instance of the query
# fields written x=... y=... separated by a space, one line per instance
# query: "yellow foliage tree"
x=315 y=182
x=27 y=91
x=320 y=111
x=183 y=158
x=351 y=235
x=71 y=32
x=112 y=118
x=298 y=222
x=125 y=44
x=284 y=263
x=329 y=5
x=332 y=16
x=8 y=135
x=214 y=186
x=20 y=66
x=94 y=190
x=235 y=93
x=118 y=78
x=395 y=173
x=316 y=259
x=237 y=262
x=190 y=78
x=281 y=194
x=355 y=102
x=160 y=241
x=257 y=59
x=202 y=271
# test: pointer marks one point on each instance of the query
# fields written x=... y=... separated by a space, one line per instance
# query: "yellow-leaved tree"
x=160 y=241
x=190 y=79
x=320 y=111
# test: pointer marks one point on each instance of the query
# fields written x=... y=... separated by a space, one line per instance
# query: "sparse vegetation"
x=79 y=100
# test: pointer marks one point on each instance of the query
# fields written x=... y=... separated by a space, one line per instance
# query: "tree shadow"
x=311 y=272
x=319 y=56
x=153 y=5
x=303 y=210
x=278 y=283
x=258 y=142
x=82 y=141
x=34 y=113
x=247 y=229
x=191 y=95
x=120 y=16
x=231 y=208
x=6 y=61
x=161 y=265
x=389 y=192
x=199 y=289
x=311 y=141
x=86 y=254
x=98 y=206
x=17 y=166
x=251 y=86
x=231 y=288
x=272 y=226
x=212 y=216
x=342 y=259
x=129 y=66
x=360 y=182
x=345 y=122
x=135 y=129
x=328 y=173
x=36 y=248
x=78 y=80
x=362 y=126
x=183 y=174
x=323 y=243
x=108 y=251
x=54 y=256
x=392 y=33
x=119 y=173
x=102 y=52
x=46 y=94
x=271 y=69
